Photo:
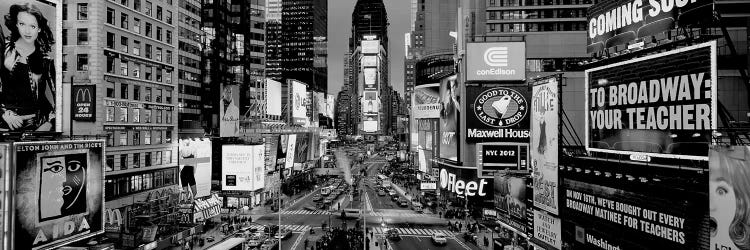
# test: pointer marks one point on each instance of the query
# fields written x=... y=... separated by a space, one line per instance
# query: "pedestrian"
x=486 y=242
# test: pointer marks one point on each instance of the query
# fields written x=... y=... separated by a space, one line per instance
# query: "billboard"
x=34 y=106
x=281 y=152
x=330 y=106
x=299 y=101
x=544 y=143
x=497 y=114
x=370 y=46
x=664 y=111
x=320 y=100
x=195 y=166
x=242 y=167
x=427 y=185
x=59 y=192
x=427 y=101
x=547 y=229
x=371 y=78
x=302 y=149
x=273 y=97
x=500 y=61
x=729 y=172
x=229 y=110
x=618 y=22
x=369 y=61
x=371 y=102
x=503 y=156
x=449 y=118
x=464 y=182
x=510 y=200
x=84 y=102
x=290 y=151
x=370 y=123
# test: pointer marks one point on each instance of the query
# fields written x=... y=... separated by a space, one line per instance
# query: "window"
x=83 y=36
x=148 y=51
x=65 y=12
x=123 y=138
x=136 y=138
x=136 y=183
x=158 y=54
x=169 y=37
x=83 y=11
x=124 y=67
x=110 y=93
x=137 y=25
x=136 y=48
x=158 y=95
x=148 y=29
x=136 y=70
x=136 y=160
x=158 y=161
x=110 y=114
x=110 y=40
x=146 y=137
x=169 y=177
x=169 y=17
x=124 y=43
x=158 y=12
x=169 y=56
x=147 y=116
x=168 y=97
x=111 y=16
x=123 y=161
x=110 y=64
x=82 y=61
x=158 y=77
x=168 y=78
x=123 y=20
x=148 y=8
x=137 y=92
x=157 y=137
x=167 y=157
x=147 y=159
x=137 y=115
x=158 y=33
x=65 y=36
x=137 y=5
x=149 y=74
x=110 y=138
x=123 y=91
x=158 y=116
x=110 y=163
x=168 y=137
x=168 y=116
x=147 y=95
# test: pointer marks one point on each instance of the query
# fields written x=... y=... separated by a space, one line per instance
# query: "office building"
x=189 y=69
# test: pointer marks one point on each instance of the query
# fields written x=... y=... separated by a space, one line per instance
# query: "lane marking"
x=461 y=243
x=296 y=242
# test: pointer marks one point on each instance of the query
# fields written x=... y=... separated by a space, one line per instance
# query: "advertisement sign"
x=369 y=61
x=38 y=105
x=544 y=133
x=371 y=102
x=500 y=61
x=497 y=114
x=370 y=123
x=510 y=200
x=729 y=172
x=634 y=215
x=612 y=23
x=290 y=151
x=664 y=112
x=229 y=110
x=281 y=152
x=449 y=118
x=273 y=97
x=370 y=46
x=320 y=99
x=84 y=102
x=371 y=78
x=428 y=185
x=303 y=148
x=59 y=194
x=242 y=167
x=547 y=229
x=195 y=166
x=427 y=101
x=299 y=102
x=503 y=156
x=466 y=183
x=331 y=106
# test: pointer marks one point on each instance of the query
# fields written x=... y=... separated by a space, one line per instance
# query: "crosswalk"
x=405 y=213
x=414 y=231
x=293 y=228
x=307 y=212
x=399 y=214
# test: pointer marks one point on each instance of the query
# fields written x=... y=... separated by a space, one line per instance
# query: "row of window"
x=119 y=186
x=148 y=29
x=135 y=115
x=134 y=69
x=535 y=27
x=535 y=14
x=508 y=3
x=136 y=137
x=149 y=51
x=147 y=9
x=125 y=90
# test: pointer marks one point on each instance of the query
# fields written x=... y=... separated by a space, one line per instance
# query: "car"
x=255 y=240
x=283 y=234
x=317 y=197
x=381 y=193
x=439 y=239
x=270 y=244
x=394 y=198
x=392 y=234
x=403 y=203
x=392 y=193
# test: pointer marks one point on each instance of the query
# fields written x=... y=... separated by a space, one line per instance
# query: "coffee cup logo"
x=500 y=107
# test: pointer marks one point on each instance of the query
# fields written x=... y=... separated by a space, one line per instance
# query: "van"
x=352 y=213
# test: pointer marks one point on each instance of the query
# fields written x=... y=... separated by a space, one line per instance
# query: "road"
x=425 y=243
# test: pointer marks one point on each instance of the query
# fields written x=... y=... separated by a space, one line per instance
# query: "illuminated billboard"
x=229 y=110
x=369 y=61
x=370 y=46
x=273 y=97
x=501 y=61
x=371 y=78
x=195 y=166
x=299 y=100
x=370 y=123
x=242 y=167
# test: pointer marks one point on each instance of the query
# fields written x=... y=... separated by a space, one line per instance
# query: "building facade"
x=188 y=69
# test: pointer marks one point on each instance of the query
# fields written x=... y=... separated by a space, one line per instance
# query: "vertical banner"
x=84 y=102
x=229 y=111
x=299 y=100
x=729 y=179
x=273 y=97
x=59 y=194
x=259 y=163
x=35 y=97
x=195 y=166
x=290 y=151
x=449 y=118
x=544 y=144
x=281 y=152
x=547 y=228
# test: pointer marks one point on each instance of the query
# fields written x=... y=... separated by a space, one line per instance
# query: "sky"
x=339 y=31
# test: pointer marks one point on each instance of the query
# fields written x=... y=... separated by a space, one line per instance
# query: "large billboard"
x=320 y=100
x=299 y=100
x=369 y=61
x=273 y=97
x=370 y=46
x=449 y=118
x=427 y=101
x=34 y=101
x=666 y=110
x=370 y=123
x=59 y=192
x=281 y=152
x=371 y=78
x=302 y=149
x=290 y=151
x=509 y=156
x=370 y=102
x=195 y=166
x=545 y=110
x=464 y=182
x=729 y=173
x=229 y=110
x=330 y=106
x=242 y=167
x=497 y=114
x=618 y=22
x=500 y=61
x=510 y=200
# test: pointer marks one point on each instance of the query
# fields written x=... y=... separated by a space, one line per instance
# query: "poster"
x=371 y=78
x=302 y=148
x=290 y=151
x=427 y=101
x=544 y=144
x=281 y=152
x=449 y=118
x=497 y=114
x=273 y=97
x=238 y=166
x=84 y=102
x=35 y=107
x=195 y=166
x=229 y=111
x=547 y=229
x=729 y=176
x=58 y=192
x=665 y=111
x=371 y=102
x=299 y=103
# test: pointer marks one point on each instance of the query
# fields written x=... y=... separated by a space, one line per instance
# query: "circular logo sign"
x=500 y=107
x=443 y=178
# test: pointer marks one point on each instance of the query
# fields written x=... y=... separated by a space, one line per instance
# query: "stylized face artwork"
x=74 y=188
x=52 y=190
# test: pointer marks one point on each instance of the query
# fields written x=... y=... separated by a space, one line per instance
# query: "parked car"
x=392 y=193
x=392 y=234
x=394 y=198
x=381 y=193
x=439 y=239
x=403 y=203
x=317 y=197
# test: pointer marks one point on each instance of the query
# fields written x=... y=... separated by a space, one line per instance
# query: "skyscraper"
x=303 y=38
x=369 y=18
x=189 y=58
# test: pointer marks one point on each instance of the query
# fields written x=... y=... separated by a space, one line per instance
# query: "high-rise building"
x=273 y=40
x=439 y=20
x=304 y=38
x=369 y=18
x=189 y=69
x=127 y=51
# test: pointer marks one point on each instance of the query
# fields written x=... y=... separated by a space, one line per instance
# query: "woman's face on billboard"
x=723 y=203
